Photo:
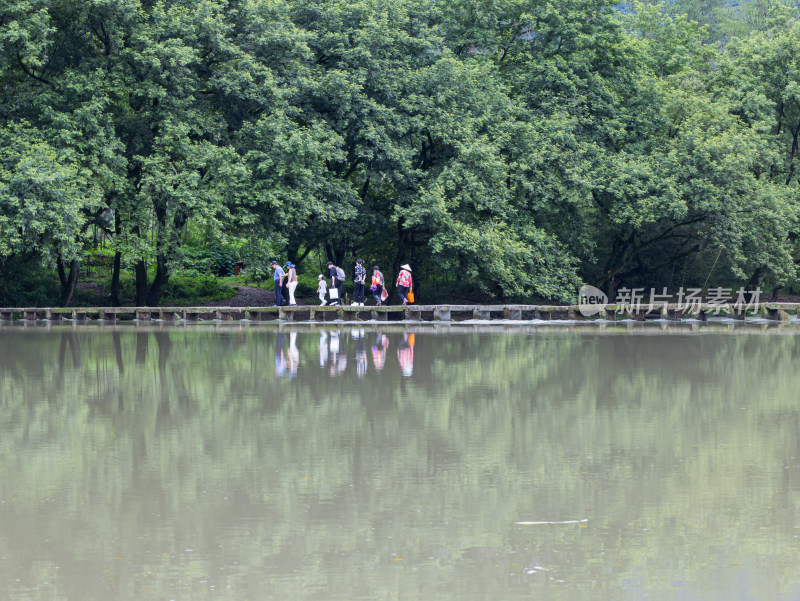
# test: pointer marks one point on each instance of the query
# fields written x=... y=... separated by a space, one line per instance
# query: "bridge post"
x=441 y=314
x=168 y=315
x=775 y=313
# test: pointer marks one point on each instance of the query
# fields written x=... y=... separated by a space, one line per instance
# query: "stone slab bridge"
x=414 y=313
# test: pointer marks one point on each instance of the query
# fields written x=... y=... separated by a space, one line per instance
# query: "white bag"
x=333 y=293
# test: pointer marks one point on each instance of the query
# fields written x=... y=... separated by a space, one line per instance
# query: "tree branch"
x=352 y=169
x=665 y=234
x=32 y=74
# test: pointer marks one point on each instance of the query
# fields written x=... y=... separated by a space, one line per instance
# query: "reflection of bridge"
x=313 y=313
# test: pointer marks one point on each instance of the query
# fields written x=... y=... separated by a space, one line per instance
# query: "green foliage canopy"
x=521 y=145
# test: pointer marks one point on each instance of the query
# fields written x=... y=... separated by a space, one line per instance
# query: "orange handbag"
x=411 y=296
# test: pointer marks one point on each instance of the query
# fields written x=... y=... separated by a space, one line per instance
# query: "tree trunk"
x=293 y=250
x=62 y=277
x=160 y=281
x=68 y=285
x=141 y=283
x=116 y=267
x=335 y=254
x=115 y=279
x=295 y=256
x=752 y=283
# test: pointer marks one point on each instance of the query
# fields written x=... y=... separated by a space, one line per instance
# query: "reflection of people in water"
x=361 y=352
x=405 y=354
x=341 y=365
x=280 y=361
x=338 y=360
x=379 y=351
x=293 y=355
x=332 y=355
x=323 y=348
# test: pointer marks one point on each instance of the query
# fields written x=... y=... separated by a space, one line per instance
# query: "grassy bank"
x=40 y=288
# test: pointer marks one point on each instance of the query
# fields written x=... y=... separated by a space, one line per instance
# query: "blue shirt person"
x=278 y=277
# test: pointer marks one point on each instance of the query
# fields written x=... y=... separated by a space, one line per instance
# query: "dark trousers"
x=403 y=292
x=278 y=296
x=377 y=294
x=358 y=292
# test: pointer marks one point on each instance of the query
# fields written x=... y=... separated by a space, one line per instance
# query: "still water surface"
x=251 y=462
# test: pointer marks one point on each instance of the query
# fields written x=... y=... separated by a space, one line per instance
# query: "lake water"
x=251 y=462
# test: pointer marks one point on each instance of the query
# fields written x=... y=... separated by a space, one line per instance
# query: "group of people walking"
x=377 y=286
x=333 y=285
x=285 y=283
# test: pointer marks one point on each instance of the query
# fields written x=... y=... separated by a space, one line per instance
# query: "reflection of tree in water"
x=164 y=344
x=630 y=432
x=142 y=346
x=69 y=344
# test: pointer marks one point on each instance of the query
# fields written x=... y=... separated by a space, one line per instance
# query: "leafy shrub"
x=214 y=259
x=188 y=290
x=306 y=284
x=25 y=283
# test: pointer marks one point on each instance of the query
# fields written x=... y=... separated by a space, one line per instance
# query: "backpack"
x=340 y=274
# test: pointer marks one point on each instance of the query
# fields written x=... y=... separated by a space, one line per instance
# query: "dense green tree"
x=423 y=152
x=695 y=182
x=45 y=197
x=759 y=75
x=640 y=166
x=516 y=145
x=123 y=85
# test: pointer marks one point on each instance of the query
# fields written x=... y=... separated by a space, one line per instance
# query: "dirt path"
x=250 y=296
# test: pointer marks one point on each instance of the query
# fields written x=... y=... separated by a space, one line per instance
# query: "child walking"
x=322 y=289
